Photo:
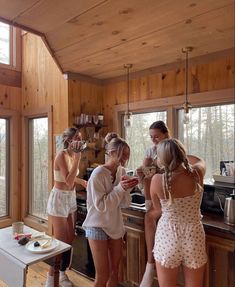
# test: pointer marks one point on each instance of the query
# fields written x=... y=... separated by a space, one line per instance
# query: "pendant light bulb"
x=128 y=114
x=128 y=119
x=186 y=118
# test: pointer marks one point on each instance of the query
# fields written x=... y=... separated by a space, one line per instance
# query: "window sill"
x=36 y=223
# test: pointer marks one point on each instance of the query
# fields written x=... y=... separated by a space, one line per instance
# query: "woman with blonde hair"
x=177 y=194
x=62 y=205
x=108 y=190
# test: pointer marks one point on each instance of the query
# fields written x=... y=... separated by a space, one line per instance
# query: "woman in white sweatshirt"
x=107 y=191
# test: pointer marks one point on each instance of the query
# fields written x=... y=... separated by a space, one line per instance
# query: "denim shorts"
x=96 y=233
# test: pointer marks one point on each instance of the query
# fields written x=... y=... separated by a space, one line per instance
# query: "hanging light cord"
x=186 y=78
x=128 y=89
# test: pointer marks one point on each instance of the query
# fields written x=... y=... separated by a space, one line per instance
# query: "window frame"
x=171 y=105
x=13 y=168
x=30 y=220
x=15 y=49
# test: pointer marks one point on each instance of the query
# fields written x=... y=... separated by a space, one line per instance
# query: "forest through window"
x=38 y=166
x=4 y=156
x=210 y=135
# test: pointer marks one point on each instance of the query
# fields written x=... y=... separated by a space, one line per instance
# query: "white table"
x=15 y=258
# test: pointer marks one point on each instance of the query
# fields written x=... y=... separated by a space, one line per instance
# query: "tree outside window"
x=210 y=135
x=38 y=167
x=3 y=167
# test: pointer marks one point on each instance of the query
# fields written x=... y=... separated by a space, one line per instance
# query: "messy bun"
x=115 y=144
x=110 y=136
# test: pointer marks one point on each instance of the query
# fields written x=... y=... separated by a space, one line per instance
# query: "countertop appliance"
x=229 y=209
x=214 y=197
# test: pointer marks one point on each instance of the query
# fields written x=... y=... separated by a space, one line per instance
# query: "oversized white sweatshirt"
x=104 y=201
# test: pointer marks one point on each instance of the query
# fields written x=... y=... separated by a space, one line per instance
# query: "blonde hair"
x=115 y=144
x=171 y=154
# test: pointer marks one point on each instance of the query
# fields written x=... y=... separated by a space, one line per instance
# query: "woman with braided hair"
x=177 y=194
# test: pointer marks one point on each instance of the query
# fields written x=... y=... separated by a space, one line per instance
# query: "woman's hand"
x=78 y=146
x=128 y=182
x=81 y=182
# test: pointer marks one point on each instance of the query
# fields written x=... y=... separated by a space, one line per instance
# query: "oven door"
x=82 y=261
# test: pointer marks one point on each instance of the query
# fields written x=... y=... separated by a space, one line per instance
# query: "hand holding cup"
x=129 y=182
x=78 y=146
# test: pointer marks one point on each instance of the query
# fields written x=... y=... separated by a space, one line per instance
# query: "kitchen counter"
x=211 y=222
x=214 y=223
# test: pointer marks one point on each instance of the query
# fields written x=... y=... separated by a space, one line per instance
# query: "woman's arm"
x=155 y=187
x=197 y=164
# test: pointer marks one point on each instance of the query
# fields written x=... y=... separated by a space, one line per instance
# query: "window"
x=209 y=134
x=5 y=44
x=137 y=136
x=38 y=166
x=4 y=160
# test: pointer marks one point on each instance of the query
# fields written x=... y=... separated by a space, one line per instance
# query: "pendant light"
x=128 y=114
x=187 y=106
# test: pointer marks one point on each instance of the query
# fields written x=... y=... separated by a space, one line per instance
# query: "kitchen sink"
x=137 y=200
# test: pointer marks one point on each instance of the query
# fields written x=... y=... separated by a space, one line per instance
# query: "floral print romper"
x=180 y=236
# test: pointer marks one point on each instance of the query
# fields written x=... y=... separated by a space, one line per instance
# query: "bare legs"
x=63 y=229
x=168 y=276
x=150 y=219
x=106 y=255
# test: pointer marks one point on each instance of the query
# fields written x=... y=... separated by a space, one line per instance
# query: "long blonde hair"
x=171 y=154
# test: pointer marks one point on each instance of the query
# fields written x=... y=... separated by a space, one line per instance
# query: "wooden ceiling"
x=97 y=37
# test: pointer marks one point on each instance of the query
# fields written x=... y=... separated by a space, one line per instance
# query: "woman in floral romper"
x=180 y=237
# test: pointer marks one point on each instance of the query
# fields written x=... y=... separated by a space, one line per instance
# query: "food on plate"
x=47 y=243
x=36 y=244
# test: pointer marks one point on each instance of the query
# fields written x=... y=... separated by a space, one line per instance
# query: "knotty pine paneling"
x=10 y=97
x=42 y=82
x=215 y=75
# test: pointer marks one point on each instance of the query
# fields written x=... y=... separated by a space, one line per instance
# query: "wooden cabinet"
x=134 y=252
x=220 y=271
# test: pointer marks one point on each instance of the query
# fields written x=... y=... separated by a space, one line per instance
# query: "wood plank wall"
x=42 y=82
x=10 y=97
x=215 y=75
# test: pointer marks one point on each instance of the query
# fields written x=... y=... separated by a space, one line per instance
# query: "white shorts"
x=61 y=202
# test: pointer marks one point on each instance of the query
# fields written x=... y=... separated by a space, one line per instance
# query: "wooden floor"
x=37 y=273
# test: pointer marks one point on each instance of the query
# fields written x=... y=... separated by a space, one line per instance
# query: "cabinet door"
x=134 y=257
x=220 y=270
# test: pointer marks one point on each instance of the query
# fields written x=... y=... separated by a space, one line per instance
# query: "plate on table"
x=47 y=244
